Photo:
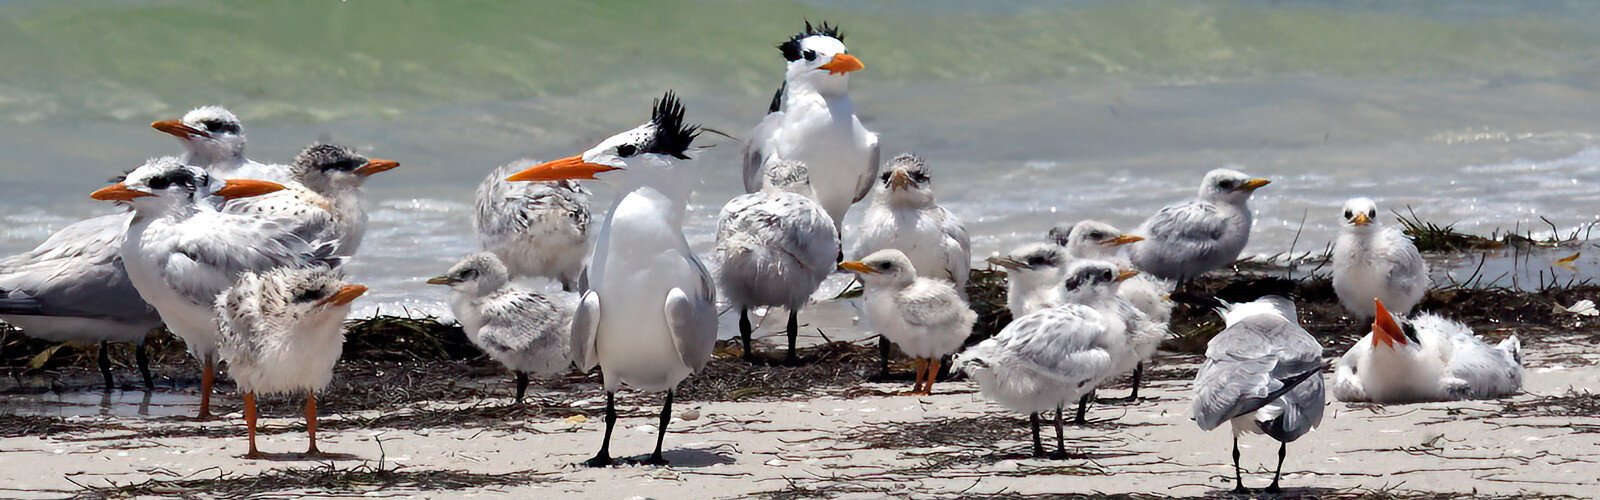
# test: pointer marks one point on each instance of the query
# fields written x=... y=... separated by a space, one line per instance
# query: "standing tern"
x=1049 y=358
x=774 y=248
x=281 y=331
x=814 y=122
x=1371 y=261
x=925 y=317
x=1428 y=358
x=1034 y=273
x=1151 y=295
x=213 y=139
x=527 y=331
x=1263 y=374
x=649 y=319
x=538 y=229
x=1189 y=239
x=181 y=252
x=322 y=199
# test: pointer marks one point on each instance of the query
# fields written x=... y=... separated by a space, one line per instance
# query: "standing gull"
x=1034 y=273
x=925 y=317
x=774 y=248
x=1371 y=261
x=1428 y=358
x=538 y=229
x=649 y=319
x=524 y=330
x=1263 y=374
x=1188 y=239
x=282 y=331
x=1151 y=295
x=814 y=122
x=213 y=139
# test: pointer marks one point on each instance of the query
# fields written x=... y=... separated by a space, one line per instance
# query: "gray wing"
x=692 y=319
x=529 y=327
x=1197 y=221
x=958 y=247
x=874 y=163
x=933 y=309
x=585 y=325
x=76 y=272
x=203 y=263
x=1255 y=363
x=756 y=149
x=1408 y=267
x=505 y=210
x=1060 y=342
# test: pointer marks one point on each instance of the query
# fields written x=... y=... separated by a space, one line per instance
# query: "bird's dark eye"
x=1106 y=275
x=885 y=266
x=627 y=150
x=467 y=274
x=1225 y=184
x=1035 y=260
x=310 y=295
x=1097 y=235
x=217 y=126
x=1372 y=214
x=159 y=183
x=1348 y=214
x=810 y=55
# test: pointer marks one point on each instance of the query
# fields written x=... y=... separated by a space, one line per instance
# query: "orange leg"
x=933 y=374
x=250 y=423
x=918 y=367
x=311 y=424
x=208 y=376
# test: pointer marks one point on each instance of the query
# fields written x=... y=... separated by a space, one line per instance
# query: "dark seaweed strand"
x=672 y=136
x=791 y=48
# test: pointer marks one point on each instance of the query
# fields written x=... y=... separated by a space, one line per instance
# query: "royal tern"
x=336 y=173
x=538 y=229
x=1188 y=239
x=1262 y=373
x=181 y=252
x=73 y=287
x=213 y=139
x=1428 y=358
x=815 y=123
x=649 y=319
x=1371 y=261
x=281 y=331
x=1054 y=356
x=523 y=329
x=1034 y=273
x=774 y=248
x=1151 y=295
x=925 y=317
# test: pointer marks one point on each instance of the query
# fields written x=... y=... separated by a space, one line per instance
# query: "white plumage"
x=525 y=330
x=213 y=139
x=538 y=229
x=1189 y=239
x=321 y=200
x=1097 y=240
x=904 y=217
x=1428 y=358
x=1034 y=273
x=1371 y=261
x=926 y=318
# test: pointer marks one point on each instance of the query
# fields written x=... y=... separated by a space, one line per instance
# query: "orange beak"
x=843 y=63
x=1124 y=239
x=899 y=180
x=1361 y=220
x=245 y=188
x=1384 y=329
x=178 y=129
x=856 y=266
x=569 y=168
x=344 y=296
x=376 y=165
x=1125 y=274
x=1253 y=184
x=117 y=192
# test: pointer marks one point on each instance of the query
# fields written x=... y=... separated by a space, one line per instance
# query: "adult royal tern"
x=1034 y=273
x=523 y=329
x=213 y=139
x=1427 y=358
x=1151 y=295
x=815 y=123
x=1187 y=239
x=774 y=248
x=281 y=331
x=1371 y=261
x=649 y=319
x=538 y=229
x=925 y=317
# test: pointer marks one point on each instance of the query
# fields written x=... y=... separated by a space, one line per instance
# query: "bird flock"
x=242 y=260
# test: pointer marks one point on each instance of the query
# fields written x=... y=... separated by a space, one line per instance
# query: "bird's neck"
x=811 y=92
x=217 y=161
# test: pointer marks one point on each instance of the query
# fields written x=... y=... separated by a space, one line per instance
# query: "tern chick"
x=524 y=330
x=213 y=139
x=1371 y=261
x=538 y=229
x=904 y=216
x=1151 y=295
x=1034 y=273
x=1428 y=358
x=925 y=317
x=1189 y=239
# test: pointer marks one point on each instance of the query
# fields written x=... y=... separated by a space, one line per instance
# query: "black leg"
x=1282 y=450
x=1061 y=442
x=1238 y=475
x=794 y=331
x=522 y=386
x=603 y=459
x=1083 y=409
x=1138 y=373
x=143 y=358
x=744 y=334
x=1038 y=447
x=883 y=357
x=105 y=366
x=661 y=433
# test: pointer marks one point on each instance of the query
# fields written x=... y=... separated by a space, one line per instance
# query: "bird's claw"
x=601 y=460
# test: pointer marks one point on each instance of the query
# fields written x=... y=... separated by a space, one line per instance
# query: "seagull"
x=181 y=252
x=649 y=319
x=924 y=316
x=1034 y=273
x=523 y=329
x=1262 y=373
x=538 y=229
x=1428 y=358
x=1151 y=295
x=213 y=139
x=814 y=122
x=73 y=287
x=1372 y=261
x=1051 y=357
x=322 y=198
x=281 y=331
x=775 y=247
x=1188 y=239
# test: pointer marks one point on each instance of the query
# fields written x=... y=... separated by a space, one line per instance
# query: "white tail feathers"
x=1512 y=346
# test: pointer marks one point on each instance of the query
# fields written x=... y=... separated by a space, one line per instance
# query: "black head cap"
x=791 y=49
x=672 y=136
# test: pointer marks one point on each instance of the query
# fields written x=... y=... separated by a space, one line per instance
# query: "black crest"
x=329 y=157
x=672 y=136
x=791 y=48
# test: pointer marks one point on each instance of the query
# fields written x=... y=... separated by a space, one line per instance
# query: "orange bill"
x=843 y=63
x=245 y=188
x=1125 y=239
x=117 y=192
x=344 y=296
x=376 y=165
x=1126 y=273
x=178 y=129
x=857 y=266
x=900 y=180
x=1361 y=220
x=1384 y=329
x=1254 y=184
x=569 y=168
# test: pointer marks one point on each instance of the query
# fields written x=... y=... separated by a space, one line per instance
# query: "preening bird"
x=213 y=139
x=1188 y=239
x=649 y=319
x=1054 y=356
x=1262 y=374
x=1371 y=261
x=527 y=331
x=814 y=122
x=538 y=229
x=1427 y=358
x=281 y=331
x=925 y=317
x=1034 y=273
x=1151 y=295
x=774 y=248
